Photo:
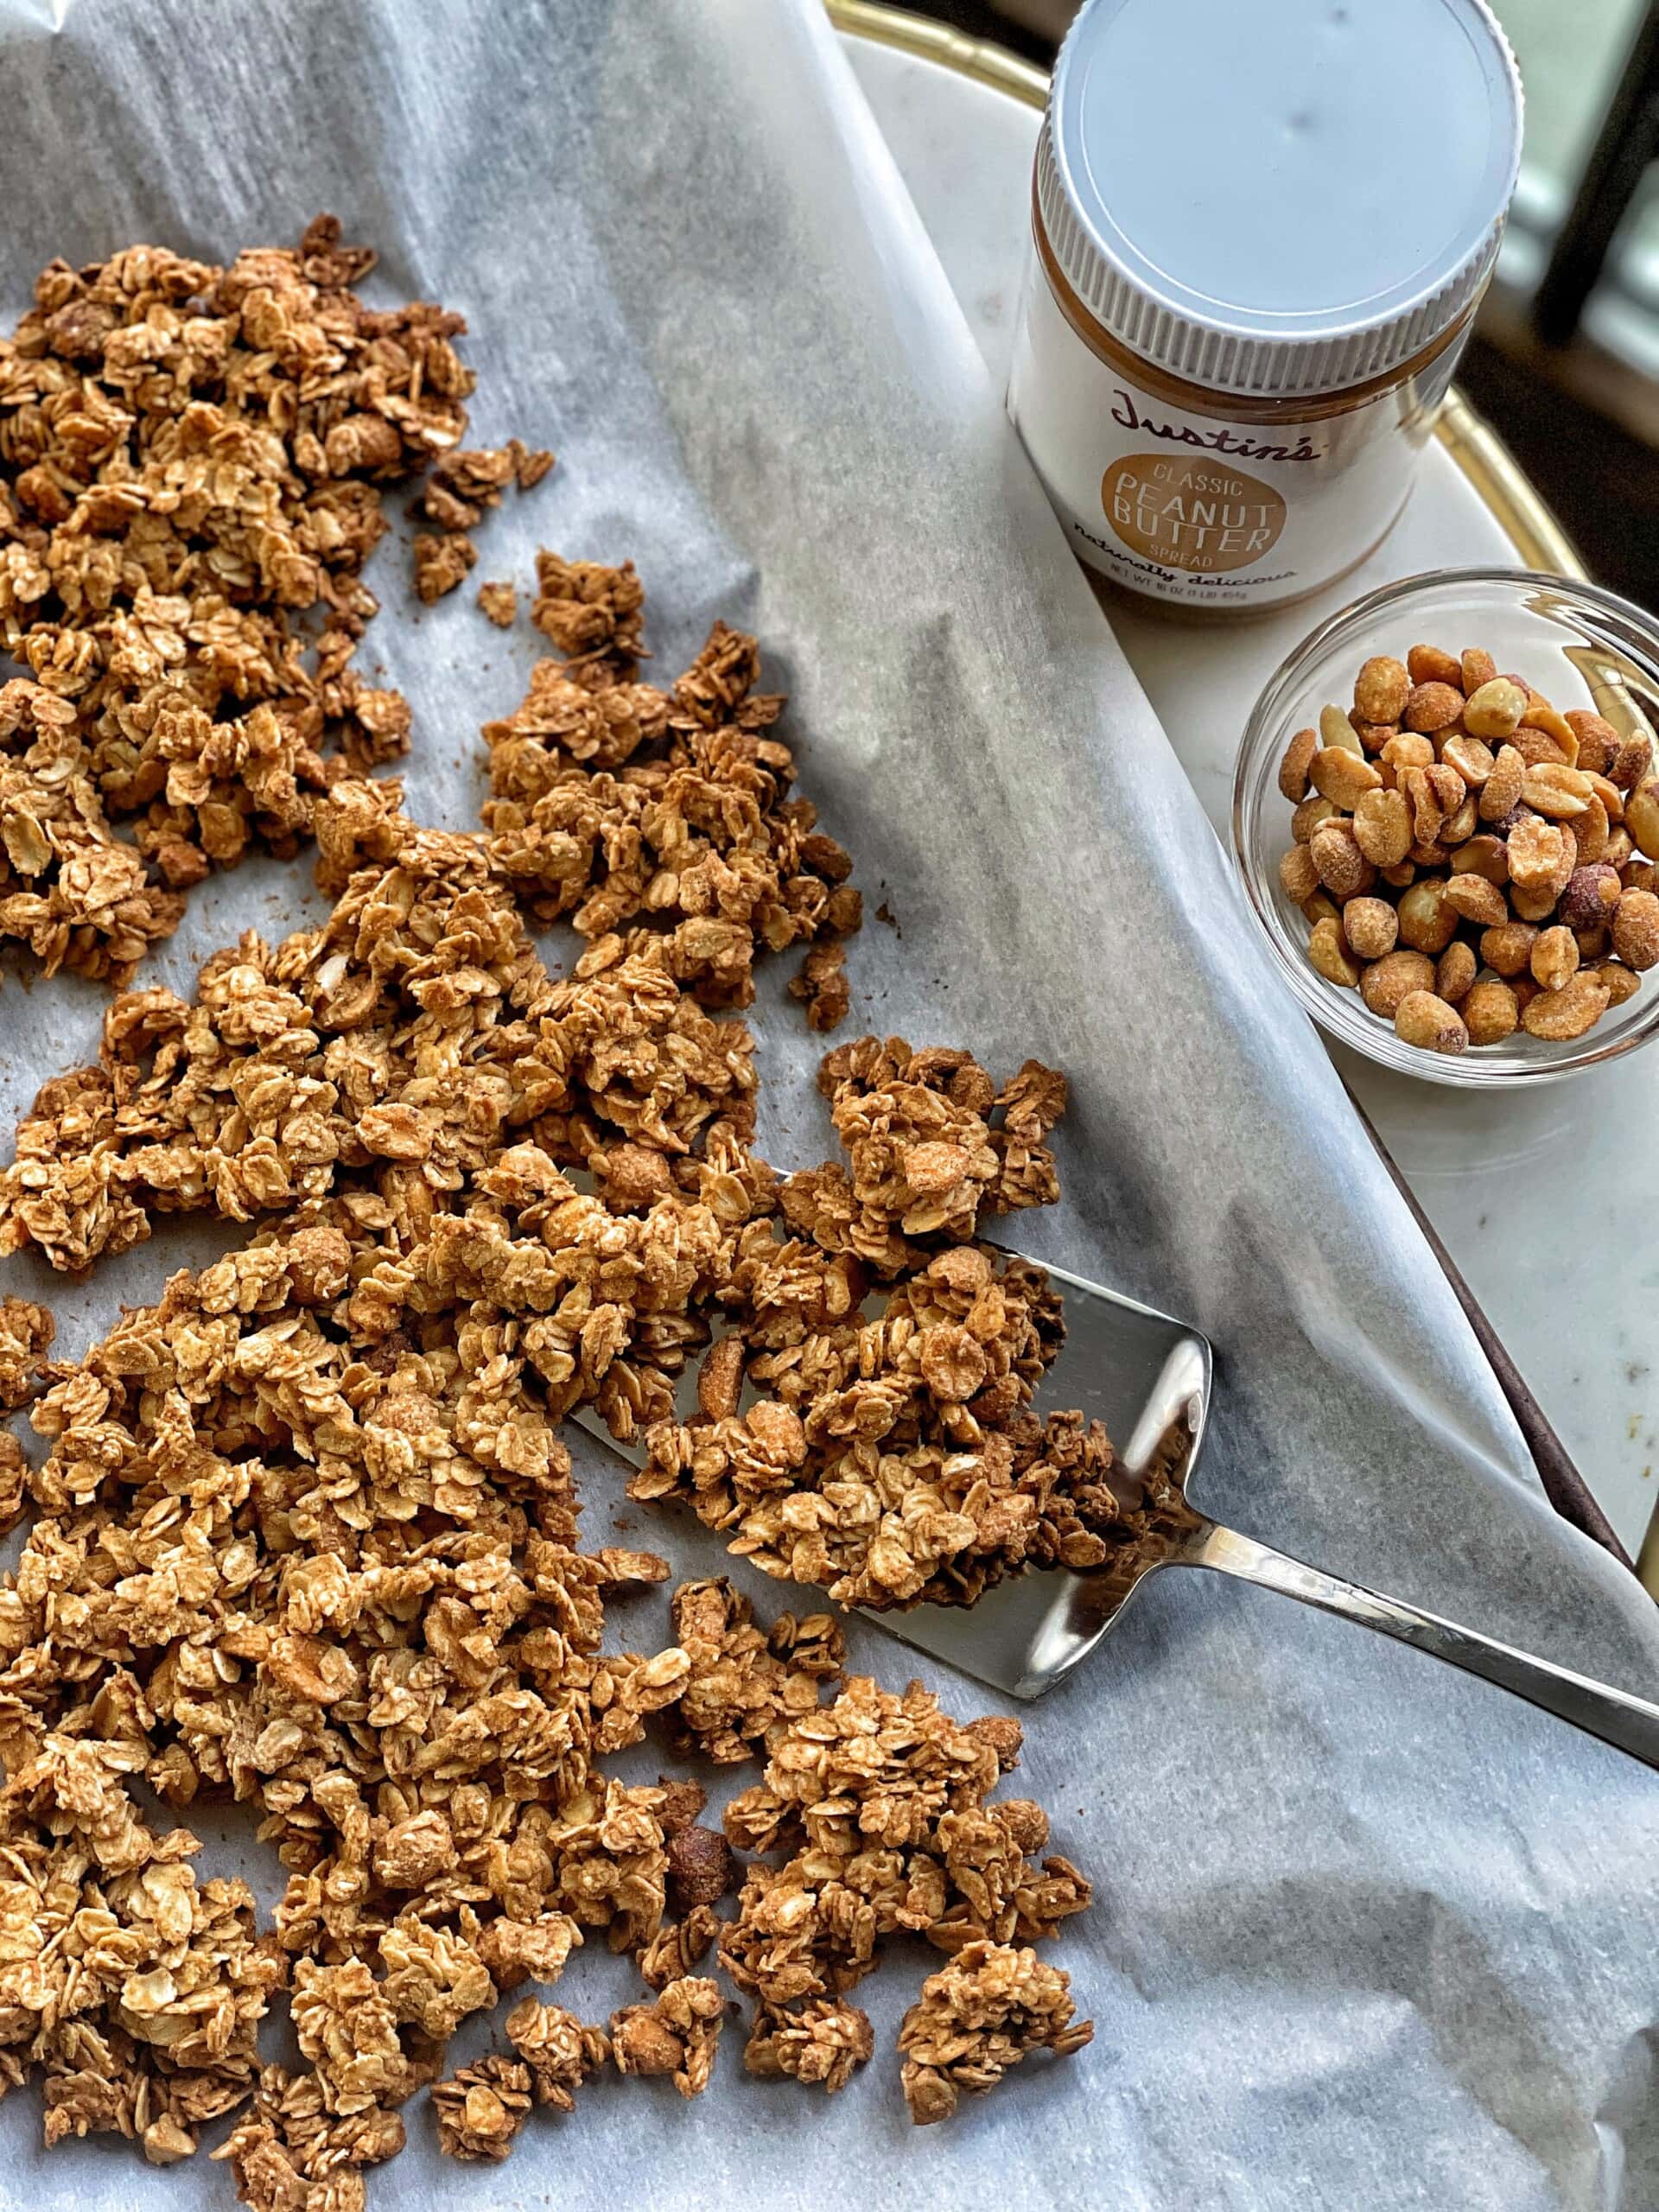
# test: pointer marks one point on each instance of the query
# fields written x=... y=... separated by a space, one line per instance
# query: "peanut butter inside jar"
x=1259 y=237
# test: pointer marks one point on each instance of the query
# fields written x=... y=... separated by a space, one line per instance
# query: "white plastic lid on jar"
x=1279 y=196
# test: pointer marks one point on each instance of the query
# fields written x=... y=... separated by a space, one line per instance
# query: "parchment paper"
x=1368 y=1934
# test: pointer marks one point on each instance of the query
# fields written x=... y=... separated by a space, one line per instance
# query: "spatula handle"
x=1629 y=1723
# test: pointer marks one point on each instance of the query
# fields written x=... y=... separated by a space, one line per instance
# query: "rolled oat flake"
x=1261 y=231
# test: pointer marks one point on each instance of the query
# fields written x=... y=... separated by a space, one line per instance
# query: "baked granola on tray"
x=306 y=1535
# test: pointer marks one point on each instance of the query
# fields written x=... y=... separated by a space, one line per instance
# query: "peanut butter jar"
x=1260 y=233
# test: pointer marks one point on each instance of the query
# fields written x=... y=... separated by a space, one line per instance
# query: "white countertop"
x=1541 y=1196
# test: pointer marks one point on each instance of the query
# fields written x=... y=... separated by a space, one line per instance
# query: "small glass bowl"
x=1579 y=646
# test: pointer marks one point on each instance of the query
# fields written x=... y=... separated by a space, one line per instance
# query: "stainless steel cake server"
x=1150 y=1380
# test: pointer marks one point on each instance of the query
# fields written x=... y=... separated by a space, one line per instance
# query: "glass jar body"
x=1204 y=499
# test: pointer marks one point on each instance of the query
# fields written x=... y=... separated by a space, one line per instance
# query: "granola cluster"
x=286 y=1553
x=395 y=1054
x=340 y=1583
x=135 y=1989
x=892 y=1457
x=877 y=1804
x=661 y=821
x=459 y=486
x=747 y=1685
x=306 y=1536
x=977 y=2017
x=192 y=465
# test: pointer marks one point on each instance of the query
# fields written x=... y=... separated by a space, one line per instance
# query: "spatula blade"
x=1144 y=1375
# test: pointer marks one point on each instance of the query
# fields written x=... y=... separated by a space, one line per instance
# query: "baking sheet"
x=1368 y=1933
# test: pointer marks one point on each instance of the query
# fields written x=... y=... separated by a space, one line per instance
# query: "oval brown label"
x=1190 y=514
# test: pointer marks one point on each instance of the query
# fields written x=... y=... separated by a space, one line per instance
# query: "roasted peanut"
x=1642 y=819
x=1507 y=948
x=1382 y=827
x=1406 y=749
x=1536 y=851
x=1502 y=789
x=1621 y=983
x=1298 y=877
x=1590 y=832
x=1559 y=1016
x=1388 y=981
x=1454 y=971
x=1630 y=763
x=1491 y=1013
x=1635 y=930
x=1342 y=867
x=1599 y=742
x=1423 y=1020
x=1428 y=664
x=1476 y=667
x=1370 y=927
x=1555 y=958
x=1433 y=706
x=1611 y=797
x=1381 y=689
x=1478 y=900
x=1328 y=953
x=1427 y=923
x=1559 y=792
x=1591 y=895
x=1342 y=776
x=1494 y=710
x=1538 y=748
x=1335 y=728
x=1292 y=769
x=1424 y=801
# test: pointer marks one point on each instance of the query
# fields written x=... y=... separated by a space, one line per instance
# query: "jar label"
x=1190 y=515
x=1200 y=508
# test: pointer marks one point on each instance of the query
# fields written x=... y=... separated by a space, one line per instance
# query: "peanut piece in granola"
x=678 y=2035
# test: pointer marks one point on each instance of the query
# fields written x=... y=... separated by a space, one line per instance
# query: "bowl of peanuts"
x=1452 y=847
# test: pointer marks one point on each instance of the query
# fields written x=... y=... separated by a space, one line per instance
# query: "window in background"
x=1574 y=56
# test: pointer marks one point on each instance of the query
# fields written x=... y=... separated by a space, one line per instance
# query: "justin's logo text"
x=1220 y=440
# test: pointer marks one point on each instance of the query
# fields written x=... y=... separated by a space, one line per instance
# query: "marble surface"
x=1542 y=1197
